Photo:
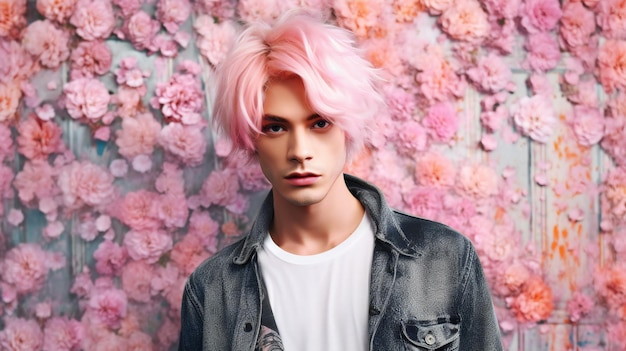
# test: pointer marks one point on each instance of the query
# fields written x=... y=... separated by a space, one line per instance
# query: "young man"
x=327 y=265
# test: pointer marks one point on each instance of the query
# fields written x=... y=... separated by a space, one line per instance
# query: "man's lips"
x=301 y=179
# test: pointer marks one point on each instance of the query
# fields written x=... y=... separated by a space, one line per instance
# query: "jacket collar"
x=387 y=228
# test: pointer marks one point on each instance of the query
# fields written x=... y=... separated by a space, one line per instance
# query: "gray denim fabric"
x=427 y=290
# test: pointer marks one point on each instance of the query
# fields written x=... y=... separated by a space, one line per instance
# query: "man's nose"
x=300 y=146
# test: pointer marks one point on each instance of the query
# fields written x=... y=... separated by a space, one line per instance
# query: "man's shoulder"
x=220 y=263
x=421 y=231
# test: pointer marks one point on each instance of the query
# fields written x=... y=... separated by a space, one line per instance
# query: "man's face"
x=301 y=153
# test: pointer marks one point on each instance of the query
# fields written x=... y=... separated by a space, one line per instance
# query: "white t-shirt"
x=320 y=302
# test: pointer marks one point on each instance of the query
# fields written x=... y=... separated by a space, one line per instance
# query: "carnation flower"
x=90 y=58
x=86 y=98
x=612 y=65
x=610 y=285
x=138 y=135
x=25 y=268
x=12 y=18
x=10 y=95
x=141 y=30
x=478 y=181
x=35 y=181
x=540 y=15
x=16 y=65
x=588 y=125
x=534 y=303
x=128 y=7
x=188 y=253
x=172 y=13
x=147 y=245
x=50 y=44
x=534 y=117
x=465 y=21
x=180 y=99
x=109 y=306
x=543 y=52
x=577 y=25
x=93 y=19
x=424 y=201
x=138 y=210
x=172 y=210
x=437 y=78
x=56 y=10
x=219 y=188
x=187 y=143
x=214 y=39
x=491 y=74
x=251 y=11
x=610 y=18
x=110 y=258
x=62 y=333
x=435 y=170
x=21 y=335
x=437 y=7
x=411 y=137
x=579 y=306
x=38 y=139
x=615 y=191
x=6 y=143
x=136 y=278
x=84 y=183
x=442 y=122
x=360 y=16
x=220 y=9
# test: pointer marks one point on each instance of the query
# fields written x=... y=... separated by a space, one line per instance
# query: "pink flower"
x=437 y=7
x=138 y=135
x=512 y=279
x=50 y=44
x=35 y=181
x=478 y=181
x=424 y=201
x=411 y=137
x=38 y=139
x=588 y=125
x=543 y=52
x=442 y=122
x=611 y=15
x=253 y=10
x=62 y=334
x=610 y=285
x=540 y=15
x=437 y=78
x=17 y=64
x=12 y=17
x=25 y=268
x=401 y=103
x=187 y=143
x=579 y=306
x=577 y=25
x=219 y=188
x=435 y=170
x=93 y=19
x=491 y=74
x=109 y=306
x=21 y=335
x=534 y=303
x=6 y=176
x=465 y=21
x=83 y=285
x=128 y=7
x=172 y=210
x=147 y=245
x=56 y=10
x=86 y=98
x=214 y=39
x=612 y=65
x=141 y=30
x=359 y=16
x=138 y=210
x=220 y=9
x=172 y=13
x=7 y=150
x=180 y=99
x=534 y=117
x=10 y=95
x=136 y=278
x=110 y=258
x=617 y=334
x=15 y=217
x=202 y=225
x=171 y=180
x=84 y=183
x=188 y=253
x=90 y=58
x=129 y=101
x=615 y=191
x=502 y=9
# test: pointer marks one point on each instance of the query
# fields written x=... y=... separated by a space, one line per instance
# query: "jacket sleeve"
x=479 y=326
x=191 y=317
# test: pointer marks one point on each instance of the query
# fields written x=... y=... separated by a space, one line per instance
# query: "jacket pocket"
x=440 y=335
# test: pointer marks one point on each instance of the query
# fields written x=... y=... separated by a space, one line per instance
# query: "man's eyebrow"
x=272 y=118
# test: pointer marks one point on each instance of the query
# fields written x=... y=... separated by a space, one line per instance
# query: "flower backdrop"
x=506 y=120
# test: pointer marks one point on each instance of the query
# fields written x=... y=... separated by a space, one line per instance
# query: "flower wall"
x=506 y=120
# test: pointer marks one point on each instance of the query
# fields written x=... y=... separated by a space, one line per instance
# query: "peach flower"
x=435 y=170
x=465 y=21
x=10 y=95
x=577 y=25
x=46 y=42
x=534 y=303
x=139 y=211
x=612 y=65
x=478 y=181
x=56 y=10
x=437 y=7
x=360 y=16
x=138 y=135
x=38 y=139
x=12 y=17
x=610 y=18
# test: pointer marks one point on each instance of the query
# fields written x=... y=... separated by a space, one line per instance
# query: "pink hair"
x=340 y=84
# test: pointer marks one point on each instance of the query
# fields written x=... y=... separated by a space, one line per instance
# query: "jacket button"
x=374 y=311
x=247 y=327
x=429 y=339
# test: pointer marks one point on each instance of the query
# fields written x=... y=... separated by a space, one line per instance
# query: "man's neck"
x=308 y=230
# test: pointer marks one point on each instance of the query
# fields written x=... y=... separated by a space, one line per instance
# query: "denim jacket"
x=427 y=288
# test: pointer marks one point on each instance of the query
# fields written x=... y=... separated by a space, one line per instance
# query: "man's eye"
x=321 y=124
x=272 y=128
